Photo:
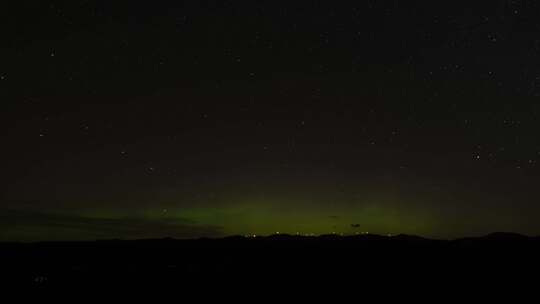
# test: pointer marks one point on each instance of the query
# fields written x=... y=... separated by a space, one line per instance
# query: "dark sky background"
x=192 y=118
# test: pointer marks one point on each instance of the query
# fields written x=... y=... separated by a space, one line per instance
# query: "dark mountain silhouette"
x=284 y=258
x=506 y=236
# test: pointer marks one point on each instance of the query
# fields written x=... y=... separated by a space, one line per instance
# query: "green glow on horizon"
x=264 y=217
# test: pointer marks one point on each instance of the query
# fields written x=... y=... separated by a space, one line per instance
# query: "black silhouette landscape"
x=248 y=261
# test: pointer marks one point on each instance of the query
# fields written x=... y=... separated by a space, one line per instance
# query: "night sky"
x=211 y=118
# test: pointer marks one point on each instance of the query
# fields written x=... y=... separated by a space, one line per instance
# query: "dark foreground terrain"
x=271 y=262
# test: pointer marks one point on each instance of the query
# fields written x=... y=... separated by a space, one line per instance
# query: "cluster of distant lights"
x=313 y=234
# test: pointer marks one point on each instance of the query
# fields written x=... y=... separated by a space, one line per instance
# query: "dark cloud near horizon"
x=30 y=225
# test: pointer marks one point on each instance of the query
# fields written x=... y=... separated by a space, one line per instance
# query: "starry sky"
x=212 y=118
